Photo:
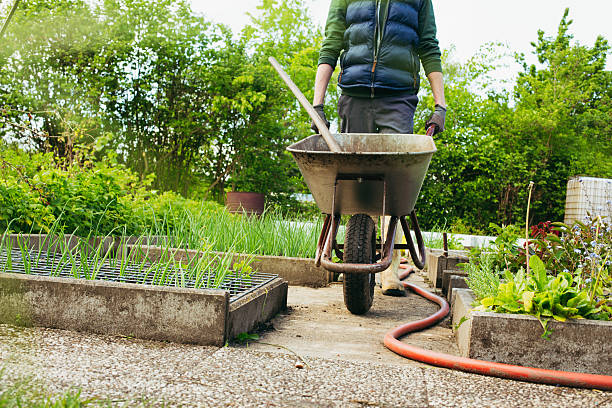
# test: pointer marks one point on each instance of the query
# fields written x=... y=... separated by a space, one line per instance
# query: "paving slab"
x=318 y=324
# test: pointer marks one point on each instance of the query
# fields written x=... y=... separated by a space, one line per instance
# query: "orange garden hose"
x=513 y=372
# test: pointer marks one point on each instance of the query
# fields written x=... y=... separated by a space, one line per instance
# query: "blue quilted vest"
x=373 y=65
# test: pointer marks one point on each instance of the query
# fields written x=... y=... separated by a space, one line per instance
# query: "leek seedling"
x=8 y=266
x=25 y=255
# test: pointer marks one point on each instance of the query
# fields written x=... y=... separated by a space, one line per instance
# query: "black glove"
x=321 y=112
x=437 y=119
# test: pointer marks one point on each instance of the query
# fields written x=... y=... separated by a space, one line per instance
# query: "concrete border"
x=574 y=345
x=447 y=274
x=437 y=262
x=257 y=307
x=142 y=311
x=455 y=282
x=182 y=315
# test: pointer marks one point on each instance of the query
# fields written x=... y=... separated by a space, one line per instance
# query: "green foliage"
x=568 y=274
x=36 y=190
x=24 y=392
x=162 y=90
x=435 y=239
x=584 y=249
x=553 y=125
x=91 y=258
x=275 y=233
x=545 y=296
x=152 y=86
x=483 y=275
x=246 y=337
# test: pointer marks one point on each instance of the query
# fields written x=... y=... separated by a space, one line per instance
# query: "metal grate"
x=145 y=274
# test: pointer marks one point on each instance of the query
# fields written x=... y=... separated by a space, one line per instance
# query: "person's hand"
x=437 y=119
x=321 y=112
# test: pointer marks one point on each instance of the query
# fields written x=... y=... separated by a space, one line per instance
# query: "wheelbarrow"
x=364 y=176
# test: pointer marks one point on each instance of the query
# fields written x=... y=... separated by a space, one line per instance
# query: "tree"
x=554 y=125
x=50 y=48
x=560 y=125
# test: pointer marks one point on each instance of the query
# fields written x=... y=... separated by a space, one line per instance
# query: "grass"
x=25 y=392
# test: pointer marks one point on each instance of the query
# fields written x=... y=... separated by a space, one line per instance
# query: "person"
x=381 y=45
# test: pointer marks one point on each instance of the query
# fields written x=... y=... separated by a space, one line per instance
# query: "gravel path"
x=131 y=372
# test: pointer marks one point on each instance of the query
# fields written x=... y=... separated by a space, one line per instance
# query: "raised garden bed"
x=140 y=302
x=574 y=345
x=295 y=271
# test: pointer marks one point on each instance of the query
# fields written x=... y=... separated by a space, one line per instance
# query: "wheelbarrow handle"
x=419 y=262
x=327 y=136
x=430 y=130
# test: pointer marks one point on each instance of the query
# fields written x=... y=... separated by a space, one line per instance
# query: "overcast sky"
x=467 y=24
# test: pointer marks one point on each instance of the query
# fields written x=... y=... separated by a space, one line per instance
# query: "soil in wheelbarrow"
x=317 y=324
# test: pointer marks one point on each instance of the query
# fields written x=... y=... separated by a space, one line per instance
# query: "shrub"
x=97 y=198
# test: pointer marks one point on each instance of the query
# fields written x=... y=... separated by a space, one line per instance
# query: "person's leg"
x=356 y=115
x=394 y=115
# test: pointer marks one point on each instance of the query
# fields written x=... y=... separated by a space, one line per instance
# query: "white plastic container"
x=588 y=195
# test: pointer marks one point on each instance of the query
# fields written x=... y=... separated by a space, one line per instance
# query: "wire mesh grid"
x=33 y=262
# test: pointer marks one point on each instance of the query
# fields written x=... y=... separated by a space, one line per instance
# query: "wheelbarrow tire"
x=359 y=247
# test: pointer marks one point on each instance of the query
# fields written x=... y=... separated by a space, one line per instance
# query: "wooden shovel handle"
x=327 y=136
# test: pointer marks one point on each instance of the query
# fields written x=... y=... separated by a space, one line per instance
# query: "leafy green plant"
x=84 y=258
x=274 y=233
x=583 y=246
x=544 y=296
x=573 y=281
x=246 y=337
x=436 y=240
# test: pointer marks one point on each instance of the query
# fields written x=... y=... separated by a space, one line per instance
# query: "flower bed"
x=562 y=272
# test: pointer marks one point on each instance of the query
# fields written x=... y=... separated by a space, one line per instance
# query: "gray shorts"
x=389 y=114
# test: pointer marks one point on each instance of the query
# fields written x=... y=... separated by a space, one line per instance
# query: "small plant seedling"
x=463 y=320
x=246 y=337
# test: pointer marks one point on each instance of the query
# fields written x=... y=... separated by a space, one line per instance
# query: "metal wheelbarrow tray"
x=375 y=174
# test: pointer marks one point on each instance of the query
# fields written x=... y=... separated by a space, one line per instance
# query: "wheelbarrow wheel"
x=359 y=247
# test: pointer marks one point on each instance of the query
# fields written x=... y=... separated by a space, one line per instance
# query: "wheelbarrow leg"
x=419 y=260
x=322 y=240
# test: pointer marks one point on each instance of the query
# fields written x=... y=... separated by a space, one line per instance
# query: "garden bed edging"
x=437 y=262
x=574 y=345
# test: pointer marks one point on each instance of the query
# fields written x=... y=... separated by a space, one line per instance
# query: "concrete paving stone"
x=447 y=388
x=274 y=377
